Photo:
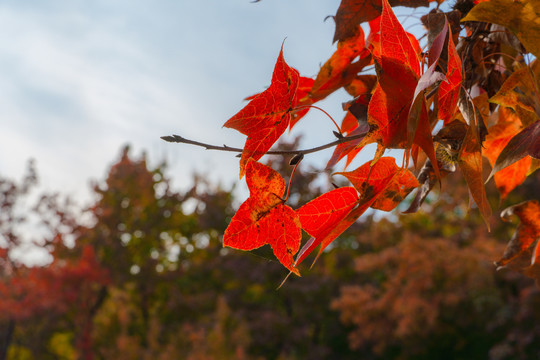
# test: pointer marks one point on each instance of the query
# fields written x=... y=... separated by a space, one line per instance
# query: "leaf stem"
x=290 y=180
x=180 y=139
x=318 y=108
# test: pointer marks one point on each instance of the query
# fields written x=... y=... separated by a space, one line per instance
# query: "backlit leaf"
x=385 y=182
x=427 y=80
x=361 y=84
x=401 y=185
x=395 y=43
x=265 y=118
x=264 y=219
x=349 y=123
x=321 y=215
x=348 y=148
x=398 y=70
x=499 y=136
x=450 y=88
x=305 y=85
x=338 y=71
x=388 y=111
x=371 y=181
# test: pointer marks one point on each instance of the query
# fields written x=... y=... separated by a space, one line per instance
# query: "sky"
x=80 y=79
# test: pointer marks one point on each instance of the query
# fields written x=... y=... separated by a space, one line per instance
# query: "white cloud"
x=80 y=79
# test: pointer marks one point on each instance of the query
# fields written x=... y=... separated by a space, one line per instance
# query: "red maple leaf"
x=264 y=219
x=384 y=179
x=449 y=89
x=265 y=118
x=339 y=70
x=305 y=85
x=321 y=215
x=349 y=148
x=399 y=74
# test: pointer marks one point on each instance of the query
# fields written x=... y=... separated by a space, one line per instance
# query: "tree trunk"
x=6 y=335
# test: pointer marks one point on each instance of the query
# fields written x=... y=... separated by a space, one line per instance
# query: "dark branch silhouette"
x=180 y=139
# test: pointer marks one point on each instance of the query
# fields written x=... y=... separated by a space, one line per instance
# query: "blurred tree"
x=426 y=288
x=140 y=231
x=206 y=302
x=11 y=195
x=39 y=302
x=148 y=278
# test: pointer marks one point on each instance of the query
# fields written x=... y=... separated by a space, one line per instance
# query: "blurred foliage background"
x=145 y=277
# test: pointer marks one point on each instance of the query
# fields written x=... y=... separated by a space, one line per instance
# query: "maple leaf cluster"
x=471 y=93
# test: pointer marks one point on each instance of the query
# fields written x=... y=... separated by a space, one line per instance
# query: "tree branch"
x=180 y=139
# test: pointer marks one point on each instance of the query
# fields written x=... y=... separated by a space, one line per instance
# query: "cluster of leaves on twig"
x=472 y=92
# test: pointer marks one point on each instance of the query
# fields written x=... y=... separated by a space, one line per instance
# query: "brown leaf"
x=522 y=251
x=352 y=13
x=450 y=139
x=470 y=162
x=526 y=142
x=521 y=17
x=473 y=116
x=434 y=22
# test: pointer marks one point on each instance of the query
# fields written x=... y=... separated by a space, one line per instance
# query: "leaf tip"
x=294 y=271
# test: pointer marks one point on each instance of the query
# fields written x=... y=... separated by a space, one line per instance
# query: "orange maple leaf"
x=339 y=70
x=498 y=137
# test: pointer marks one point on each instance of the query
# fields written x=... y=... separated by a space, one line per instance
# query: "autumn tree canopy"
x=149 y=278
x=465 y=90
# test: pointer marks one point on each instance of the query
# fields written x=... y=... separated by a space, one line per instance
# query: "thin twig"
x=180 y=139
x=320 y=109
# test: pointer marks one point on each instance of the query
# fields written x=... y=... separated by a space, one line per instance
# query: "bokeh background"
x=110 y=239
x=80 y=79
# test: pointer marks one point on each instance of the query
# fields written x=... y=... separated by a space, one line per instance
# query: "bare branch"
x=180 y=139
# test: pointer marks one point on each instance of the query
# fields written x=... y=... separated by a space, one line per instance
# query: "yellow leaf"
x=520 y=17
x=519 y=93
